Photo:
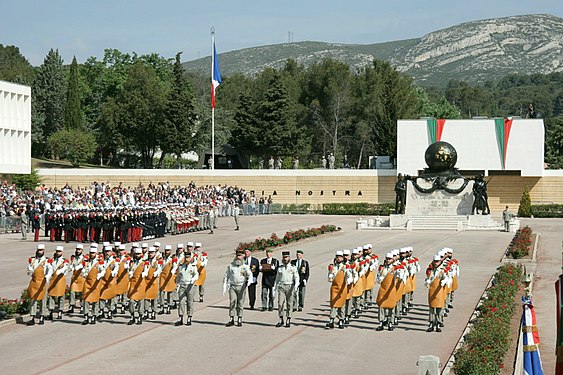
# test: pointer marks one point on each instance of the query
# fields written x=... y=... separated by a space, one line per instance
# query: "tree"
x=14 y=67
x=246 y=134
x=48 y=93
x=74 y=145
x=178 y=133
x=275 y=116
x=441 y=109
x=27 y=181
x=525 y=208
x=554 y=142
x=139 y=111
x=73 y=111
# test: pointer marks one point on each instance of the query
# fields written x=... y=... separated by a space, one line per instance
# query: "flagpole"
x=212 y=106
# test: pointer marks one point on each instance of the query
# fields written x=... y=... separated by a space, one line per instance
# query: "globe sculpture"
x=440 y=157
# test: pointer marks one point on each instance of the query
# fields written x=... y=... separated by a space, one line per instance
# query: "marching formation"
x=353 y=275
x=148 y=280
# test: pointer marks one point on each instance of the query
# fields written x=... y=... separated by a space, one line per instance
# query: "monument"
x=440 y=197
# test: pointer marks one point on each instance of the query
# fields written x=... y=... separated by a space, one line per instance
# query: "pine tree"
x=246 y=135
x=48 y=93
x=525 y=208
x=73 y=111
x=180 y=118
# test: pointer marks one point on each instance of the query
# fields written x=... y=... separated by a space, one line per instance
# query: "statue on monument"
x=400 y=194
x=481 y=198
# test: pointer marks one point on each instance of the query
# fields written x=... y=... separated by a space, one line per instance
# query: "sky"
x=84 y=28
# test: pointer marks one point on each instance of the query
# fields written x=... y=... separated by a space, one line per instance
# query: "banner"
x=503 y=126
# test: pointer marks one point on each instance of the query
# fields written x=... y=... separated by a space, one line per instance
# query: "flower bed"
x=261 y=244
x=11 y=307
x=521 y=242
x=485 y=346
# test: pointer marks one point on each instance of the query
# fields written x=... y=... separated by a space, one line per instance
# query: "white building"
x=494 y=146
x=15 y=128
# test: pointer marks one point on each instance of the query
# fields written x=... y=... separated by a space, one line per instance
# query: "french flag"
x=215 y=77
x=530 y=339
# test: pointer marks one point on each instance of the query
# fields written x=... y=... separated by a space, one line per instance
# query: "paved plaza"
x=208 y=347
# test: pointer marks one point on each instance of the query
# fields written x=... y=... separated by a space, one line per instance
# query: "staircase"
x=435 y=222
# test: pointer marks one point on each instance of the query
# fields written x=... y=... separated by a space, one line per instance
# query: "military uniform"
x=57 y=268
x=202 y=261
x=340 y=277
x=138 y=272
x=167 y=282
x=287 y=284
x=268 y=267
x=436 y=282
x=38 y=284
x=186 y=278
x=237 y=277
x=388 y=277
x=303 y=269
x=152 y=278
x=108 y=283
x=76 y=278
x=122 y=279
x=93 y=270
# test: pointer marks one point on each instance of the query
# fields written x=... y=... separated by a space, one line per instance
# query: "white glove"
x=59 y=271
x=144 y=274
x=444 y=282
x=273 y=267
x=304 y=282
x=356 y=278
x=349 y=280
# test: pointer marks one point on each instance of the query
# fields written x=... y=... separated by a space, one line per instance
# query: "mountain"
x=474 y=51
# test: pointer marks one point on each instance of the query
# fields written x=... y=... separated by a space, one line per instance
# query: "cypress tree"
x=73 y=112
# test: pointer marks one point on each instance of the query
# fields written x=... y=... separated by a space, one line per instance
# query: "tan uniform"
x=76 y=278
x=201 y=269
x=138 y=272
x=92 y=270
x=37 y=285
x=57 y=269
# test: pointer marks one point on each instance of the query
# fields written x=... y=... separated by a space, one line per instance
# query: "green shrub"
x=521 y=243
x=364 y=209
x=26 y=181
x=525 y=208
x=548 y=210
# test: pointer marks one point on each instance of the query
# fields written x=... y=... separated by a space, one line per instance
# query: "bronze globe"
x=440 y=156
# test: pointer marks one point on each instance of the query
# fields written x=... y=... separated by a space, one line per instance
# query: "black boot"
x=230 y=323
x=280 y=323
x=430 y=328
x=41 y=319
x=139 y=321
x=189 y=321
x=341 y=324
x=330 y=324
x=85 y=321
x=180 y=321
x=59 y=315
x=110 y=315
x=50 y=316
x=131 y=321
x=346 y=320
x=288 y=323
x=438 y=329
x=239 y=322
x=92 y=320
x=31 y=322
x=168 y=310
x=70 y=310
x=380 y=327
x=390 y=327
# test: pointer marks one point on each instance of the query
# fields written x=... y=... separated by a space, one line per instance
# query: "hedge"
x=488 y=341
x=364 y=209
x=547 y=210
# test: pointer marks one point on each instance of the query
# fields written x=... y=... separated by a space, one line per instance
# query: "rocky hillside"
x=474 y=51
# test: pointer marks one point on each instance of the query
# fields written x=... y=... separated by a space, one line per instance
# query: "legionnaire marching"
x=387 y=295
x=122 y=279
x=167 y=282
x=153 y=275
x=93 y=270
x=57 y=267
x=138 y=272
x=202 y=261
x=38 y=284
x=287 y=285
x=436 y=282
x=108 y=284
x=76 y=278
x=237 y=277
x=187 y=275
x=340 y=277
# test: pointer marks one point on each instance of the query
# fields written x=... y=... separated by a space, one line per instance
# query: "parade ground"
x=258 y=347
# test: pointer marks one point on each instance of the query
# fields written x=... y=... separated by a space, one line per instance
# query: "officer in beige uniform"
x=38 y=284
x=187 y=275
x=286 y=283
x=237 y=277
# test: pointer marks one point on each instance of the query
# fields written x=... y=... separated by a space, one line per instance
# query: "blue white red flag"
x=531 y=339
x=215 y=77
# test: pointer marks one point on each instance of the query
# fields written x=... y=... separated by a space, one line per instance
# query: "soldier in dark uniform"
x=269 y=268
x=35 y=223
x=68 y=226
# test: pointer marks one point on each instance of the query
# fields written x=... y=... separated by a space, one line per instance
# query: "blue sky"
x=86 y=27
